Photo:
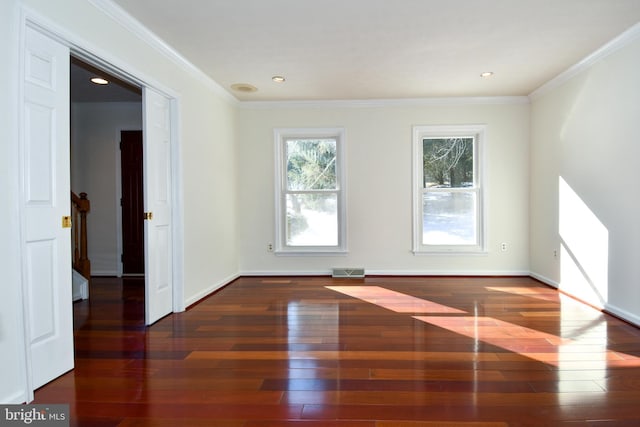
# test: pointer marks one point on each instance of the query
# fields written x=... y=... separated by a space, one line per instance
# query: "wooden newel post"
x=81 y=206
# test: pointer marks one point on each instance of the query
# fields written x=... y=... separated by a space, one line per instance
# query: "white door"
x=157 y=205
x=45 y=200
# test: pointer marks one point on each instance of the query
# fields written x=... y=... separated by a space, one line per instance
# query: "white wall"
x=378 y=164
x=206 y=133
x=585 y=148
x=210 y=198
x=95 y=137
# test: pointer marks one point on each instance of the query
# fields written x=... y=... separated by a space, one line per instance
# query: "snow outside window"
x=310 y=197
x=448 y=192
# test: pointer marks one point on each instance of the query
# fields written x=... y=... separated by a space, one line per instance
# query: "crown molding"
x=378 y=103
x=120 y=16
x=627 y=37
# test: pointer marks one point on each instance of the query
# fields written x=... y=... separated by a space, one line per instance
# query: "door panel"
x=157 y=195
x=45 y=200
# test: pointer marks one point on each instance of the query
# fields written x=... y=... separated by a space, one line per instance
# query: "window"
x=310 y=195
x=448 y=192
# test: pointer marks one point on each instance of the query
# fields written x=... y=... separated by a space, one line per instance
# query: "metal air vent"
x=348 y=272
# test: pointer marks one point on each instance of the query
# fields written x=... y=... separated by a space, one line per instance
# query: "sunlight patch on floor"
x=394 y=301
x=520 y=340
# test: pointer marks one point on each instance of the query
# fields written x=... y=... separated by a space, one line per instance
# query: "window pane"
x=449 y=218
x=447 y=162
x=311 y=164
x=312 y=219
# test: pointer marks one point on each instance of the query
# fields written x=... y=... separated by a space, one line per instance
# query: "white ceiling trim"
x=131 y=24
x=377 y=103
x=629 y=36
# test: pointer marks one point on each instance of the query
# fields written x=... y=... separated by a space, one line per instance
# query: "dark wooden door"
x=132 y=202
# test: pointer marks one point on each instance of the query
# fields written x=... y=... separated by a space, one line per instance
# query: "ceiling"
x=383 y=49
x=82 y=90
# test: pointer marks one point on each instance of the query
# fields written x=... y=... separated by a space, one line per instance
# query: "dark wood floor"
x=379 y=352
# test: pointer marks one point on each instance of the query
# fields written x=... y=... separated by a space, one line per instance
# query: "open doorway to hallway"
x=104 y=119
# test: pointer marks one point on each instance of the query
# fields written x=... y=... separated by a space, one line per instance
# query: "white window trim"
x=430 y=131
x=280 y=136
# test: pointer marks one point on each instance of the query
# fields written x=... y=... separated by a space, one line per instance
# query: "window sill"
x=479 y=252
x=311 y=252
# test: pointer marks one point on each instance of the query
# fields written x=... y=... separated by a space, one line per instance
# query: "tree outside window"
x=448 y=215
x=310 y=192
x=448 y=162
x=311 y=187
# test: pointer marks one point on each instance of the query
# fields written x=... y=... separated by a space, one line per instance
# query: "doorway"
x=132 y=202
x=106 y=151
x=98 y=124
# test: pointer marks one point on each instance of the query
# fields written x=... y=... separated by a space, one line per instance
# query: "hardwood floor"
x=378 y=352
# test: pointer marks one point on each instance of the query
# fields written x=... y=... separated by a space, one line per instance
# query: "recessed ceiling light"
x=100 y=81
x=487 y=74
x=278 y=79
x=243 y=87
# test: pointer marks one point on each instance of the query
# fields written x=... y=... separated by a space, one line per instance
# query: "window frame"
x=281 y=136
x=478 y=132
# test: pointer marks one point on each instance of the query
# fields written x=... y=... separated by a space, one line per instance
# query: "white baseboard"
x=545 y=280
x=623 y=314
x=608 y=308
x=211 y=289
x=446 y=273
x=104 y=273
x=389 y=273
x=14 y=399
x=285 y=273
